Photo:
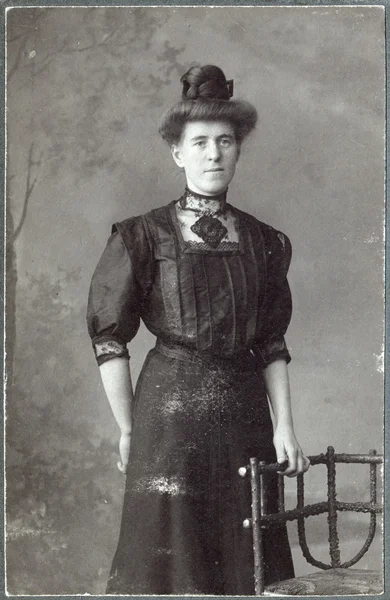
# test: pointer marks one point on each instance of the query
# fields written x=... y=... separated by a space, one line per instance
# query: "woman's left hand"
x=287 y=448
x=124 y=451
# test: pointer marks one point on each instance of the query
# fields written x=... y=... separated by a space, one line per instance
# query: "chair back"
x=261 y=518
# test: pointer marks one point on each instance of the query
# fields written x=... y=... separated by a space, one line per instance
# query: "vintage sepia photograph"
x=195 y=223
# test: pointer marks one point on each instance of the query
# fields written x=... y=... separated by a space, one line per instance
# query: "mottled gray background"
x=86 y=89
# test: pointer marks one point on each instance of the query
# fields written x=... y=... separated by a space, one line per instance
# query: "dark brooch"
x=210 y=229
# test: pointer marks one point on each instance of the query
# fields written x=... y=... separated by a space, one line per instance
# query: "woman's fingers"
x=281 y=455
x=287 y=448
x=121 y=466
x=302 y=465
x=291 y=450
x=291 y=470
x=124 y=451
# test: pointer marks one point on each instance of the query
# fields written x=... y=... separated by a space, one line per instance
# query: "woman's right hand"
x=124 y=451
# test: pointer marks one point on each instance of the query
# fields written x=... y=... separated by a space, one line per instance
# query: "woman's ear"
x=176 y=154
x=238 y=152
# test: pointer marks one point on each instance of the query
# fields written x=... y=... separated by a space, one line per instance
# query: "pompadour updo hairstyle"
x=206 y=97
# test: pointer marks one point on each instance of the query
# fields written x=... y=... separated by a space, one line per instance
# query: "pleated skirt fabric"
x=195 y=423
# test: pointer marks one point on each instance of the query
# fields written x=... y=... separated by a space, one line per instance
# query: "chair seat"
x=332 y=582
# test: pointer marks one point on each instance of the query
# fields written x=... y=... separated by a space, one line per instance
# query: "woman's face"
x=208 y=152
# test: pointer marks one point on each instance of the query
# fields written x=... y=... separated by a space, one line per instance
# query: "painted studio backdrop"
x=86 y=89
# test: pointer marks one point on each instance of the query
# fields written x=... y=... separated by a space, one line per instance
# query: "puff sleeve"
x=270 y=344
x=115 y=295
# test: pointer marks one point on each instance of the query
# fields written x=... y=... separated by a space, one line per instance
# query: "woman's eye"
x=201 y=143
x=225 y=142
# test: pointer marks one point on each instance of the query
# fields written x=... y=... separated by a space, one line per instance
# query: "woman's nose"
x=214 y=151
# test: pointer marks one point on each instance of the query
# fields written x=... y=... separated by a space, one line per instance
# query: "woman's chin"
x=210 y=190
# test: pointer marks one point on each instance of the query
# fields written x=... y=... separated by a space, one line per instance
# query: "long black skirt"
x=195 y=423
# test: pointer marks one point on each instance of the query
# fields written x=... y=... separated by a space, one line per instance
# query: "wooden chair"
x=335 y=578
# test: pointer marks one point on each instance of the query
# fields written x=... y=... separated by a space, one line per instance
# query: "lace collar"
x=203 y=205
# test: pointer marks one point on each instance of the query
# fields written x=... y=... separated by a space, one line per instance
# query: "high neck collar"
x=210 y=205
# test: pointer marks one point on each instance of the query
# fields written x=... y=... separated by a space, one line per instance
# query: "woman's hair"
x=206 y=97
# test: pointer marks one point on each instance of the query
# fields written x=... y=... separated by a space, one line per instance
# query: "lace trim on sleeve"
x=110 y=349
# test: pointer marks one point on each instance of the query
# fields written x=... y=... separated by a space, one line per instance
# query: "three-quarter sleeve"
x=270 y=344
x=114 y=302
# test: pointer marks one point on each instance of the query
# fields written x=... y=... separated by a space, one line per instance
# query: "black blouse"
x=211 y=301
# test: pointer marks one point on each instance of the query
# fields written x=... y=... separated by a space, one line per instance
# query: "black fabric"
x=195 y=423
x=114 y=302
x=216 y=302
x=270 y=344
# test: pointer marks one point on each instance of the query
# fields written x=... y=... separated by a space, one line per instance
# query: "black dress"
x=200 y=408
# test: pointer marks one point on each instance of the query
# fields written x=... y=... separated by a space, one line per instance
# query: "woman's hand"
x=124 y=451
x=287 y=448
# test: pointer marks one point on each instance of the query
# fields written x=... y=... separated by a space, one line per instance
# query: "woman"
x=210 y=282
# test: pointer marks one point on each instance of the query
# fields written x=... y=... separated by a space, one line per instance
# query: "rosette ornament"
x=210 y=229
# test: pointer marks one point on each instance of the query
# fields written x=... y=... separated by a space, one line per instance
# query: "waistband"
x=184 y=353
